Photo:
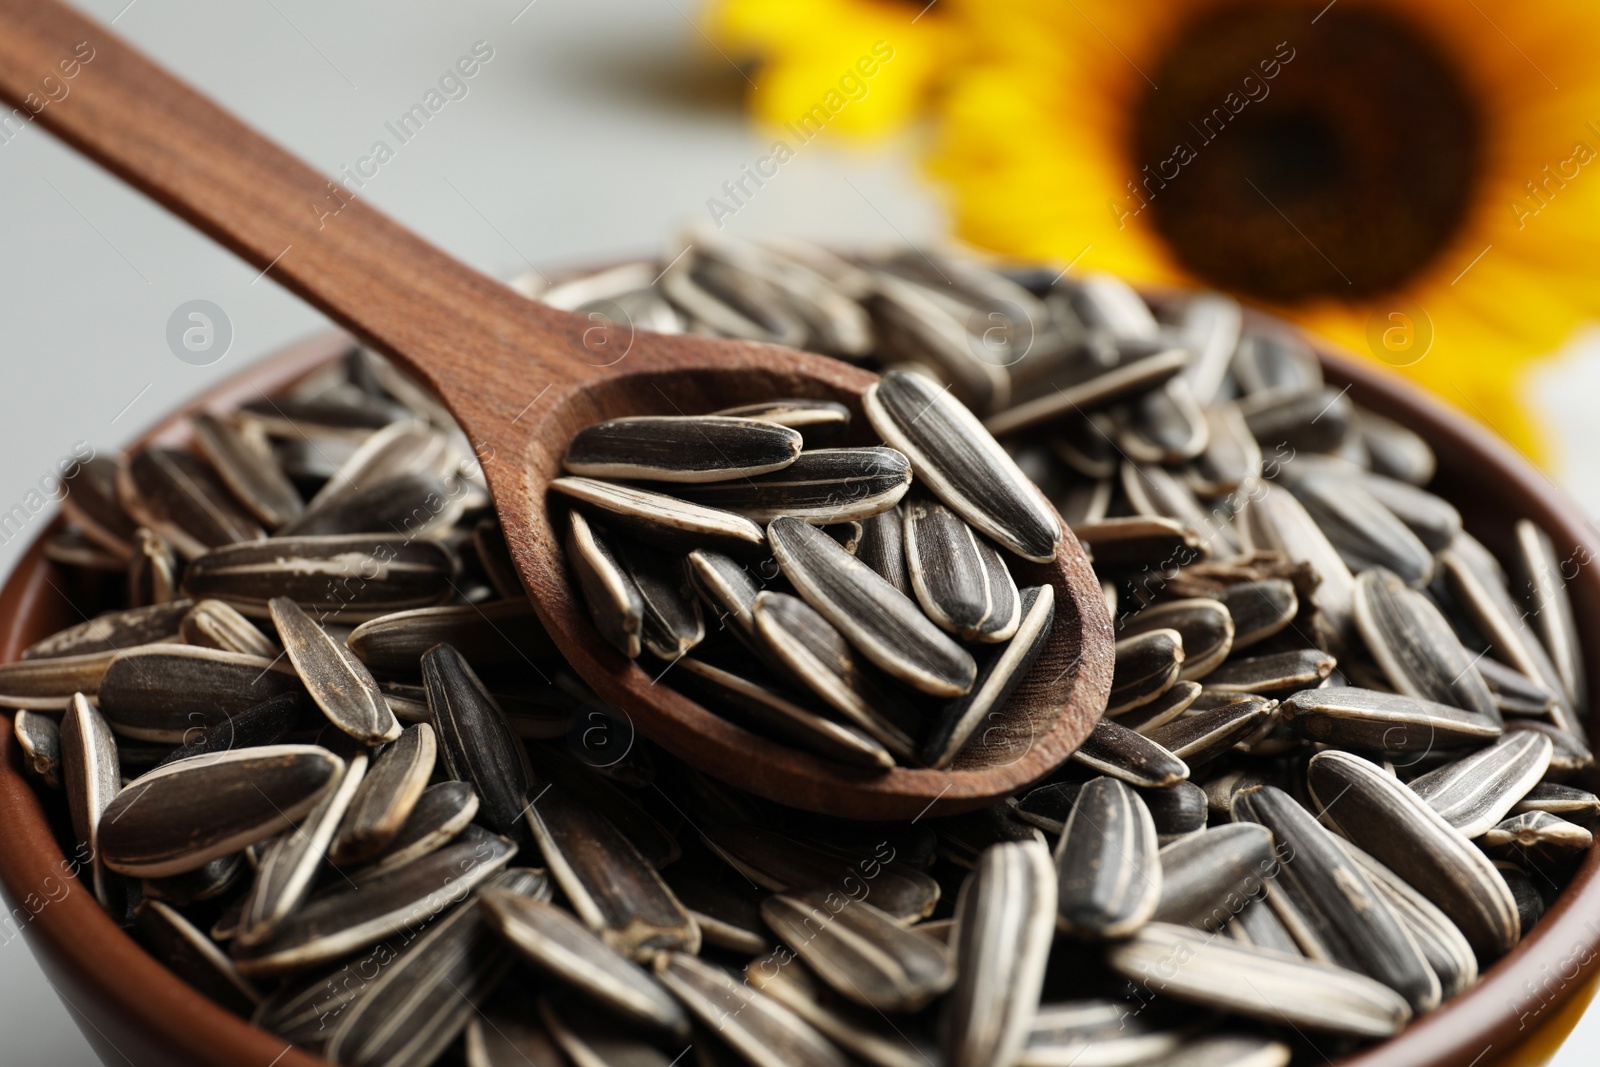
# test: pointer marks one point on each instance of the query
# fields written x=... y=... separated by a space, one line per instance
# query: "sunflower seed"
x=1365 y=533
x=153 y=571
x=182 y=499
x=1275 y=672
x=184 y=815
x=796 y=988
x=816 y=417
x=216 y=624
x=195 y=958
x=476 y=741
x=1571 y=754
x=499 y=633
x=811 y=650
x=347 y=919
x=1433 y=519
x=1551 y=607
x=959 y=578
x=162 y=692
x=1440 y=940
x=1477 y=791
x=1083 y=442
x=1415 y=646
x=112 y=632
x=1094 y=1033
x=864 y=954
x=91 y=503
x=1178 y=810
x=340 y=683
x=671 y=623
x=1147 y=666
x=1162 y=710
x=442 y=812
x=1259 y=609
x=1134 y=367
x=267 y=723
x=952 y=725
x=882 y=547
x=386 y=797
x=400 y=448
x=611 y=887
x=1120 y=753
x=328 y=415
x=1201 y=736
x=508 y=1033
x=1259 y=983
x=782 y=863
x=760 y=1029
x=1004 y=919
x=92 y=779
x=591 y=1038
x=920 y=324
x=681 y=449
x=347 y=579
x=876 y=618
x=1134 y=542
x=1383 y=721
x=1403 y=833
x=565 y=950
x=822 y=486
x=412 y=504
x=1577 y=805
x=728 y=919
x=1274 y=520
x=1514 y=692
x=1345 y=911
x=243 y=459
x=615 y=604
x=401 y=1021
x=660 y=519
x=39 y=737
x=48 y=684
x=1538 y=837
x=283 y=877
x=71 y=549
x=1255 y=923
x=1205 y=875
x=1232 y=456
x=1204 y=625
x=1530 y=905
x=202 y=884
x=782 y=714
x=727 y=588
x=1109 y=878
x=1165 y=425
x=962 y=464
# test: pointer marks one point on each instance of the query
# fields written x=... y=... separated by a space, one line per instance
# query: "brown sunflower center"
x=1288 y=159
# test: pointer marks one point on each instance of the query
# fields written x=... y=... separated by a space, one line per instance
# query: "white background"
x=596 y=129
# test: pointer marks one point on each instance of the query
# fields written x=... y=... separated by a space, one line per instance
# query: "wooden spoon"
x=521 y=378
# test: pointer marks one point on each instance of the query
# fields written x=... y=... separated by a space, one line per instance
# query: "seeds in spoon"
x=705 y=448
x=823 y=485
x=958 y=577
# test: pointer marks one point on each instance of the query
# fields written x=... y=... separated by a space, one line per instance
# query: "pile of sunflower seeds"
x=312 y=748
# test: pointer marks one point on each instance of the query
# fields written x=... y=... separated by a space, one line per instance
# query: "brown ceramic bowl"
x=135 y=1012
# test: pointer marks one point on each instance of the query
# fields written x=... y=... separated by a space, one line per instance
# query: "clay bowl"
x=133 y=1011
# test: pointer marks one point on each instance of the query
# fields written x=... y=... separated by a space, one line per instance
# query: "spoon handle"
x=319 y=239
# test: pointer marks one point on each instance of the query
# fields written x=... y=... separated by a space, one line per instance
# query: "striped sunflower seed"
x=1165 y=425
x=178 y=496
x=1434 y=520
x=337 y=680
x=1004 y=918
x=609 y=592
x=1147 y=666
x=507 y=1033
x=1477 y=791
x=1389 y=722
x=1365 y=533
x=959 y=578
x=671 y=623
x=1204 y=625
x=1260 y=609
x=48 y=684
x=783 y=863
x=91 y=503
x=216 y=624
x=92 y=779
x=347 y=578
x=660 y=519
x=184 y=815
x=1415 y=646
x=1275 y=672
x=442 y=812
x=1138 y=542
x=243 y=459
x=268 y=723
x=612 y=888
x=1570 y=802
x=1257 y=924
x=478 y=745
x=1403 y=833
x=213 y=880
x=39 y=737
x=1116 y=751
x=162 y=692
x=1514 y=692
x=1258 y=983
x=1440 y=940
x=856 y=1031
x=1551 y=607
x=1530 y=905
x=962 y=464
x=953 y=725
x=1274 y=520
x=1232 y=457
x=762 y=1031
x=1537 y=837
x=401 y=1021
x=1343 y=908
x=498 y=633
x=349 y=918
x=1162 y=710
x=193 y=956
x=402 y=447
x=1204 y=735
x=1155 y=492
x=153 y=571
x=413 y=504
x=880 y=621
x=1099 y=1032
x=882 y=547
x=727 y=588
x=1207 y=876
x=705 y=448
x=863 y=954
x=386 y=797
x=113 y=632
x=1109 y=879
x=561 y=947
x=284 y=874
x=822 y=486
x=815 y=417
x=1178 y=810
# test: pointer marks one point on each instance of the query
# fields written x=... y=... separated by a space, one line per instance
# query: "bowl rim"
x=139 y=1011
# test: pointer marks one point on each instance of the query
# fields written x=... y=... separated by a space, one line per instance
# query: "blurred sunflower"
x=1406 y=177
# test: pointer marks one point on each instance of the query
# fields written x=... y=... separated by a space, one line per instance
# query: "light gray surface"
x=572 y=144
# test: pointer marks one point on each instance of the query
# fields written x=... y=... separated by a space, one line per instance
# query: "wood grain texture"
x=522 y=378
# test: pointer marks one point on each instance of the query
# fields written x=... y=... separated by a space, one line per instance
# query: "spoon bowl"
x=521 y=378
